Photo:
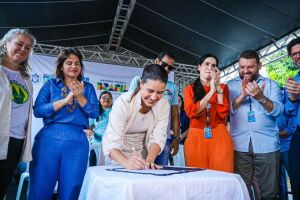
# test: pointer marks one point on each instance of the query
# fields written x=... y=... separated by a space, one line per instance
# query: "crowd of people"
x=249 y=126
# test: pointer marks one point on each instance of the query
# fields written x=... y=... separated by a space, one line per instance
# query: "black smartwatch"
x=292 y=100
x=177 y=138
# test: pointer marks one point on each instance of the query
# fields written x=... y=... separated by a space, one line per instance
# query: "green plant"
x=281 y=70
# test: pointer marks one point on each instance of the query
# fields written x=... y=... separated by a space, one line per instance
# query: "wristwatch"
x=177 y=138
x=292 y=100
x=262 y=101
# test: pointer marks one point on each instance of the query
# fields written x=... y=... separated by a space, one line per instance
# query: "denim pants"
x=283 y=167
x=163 y=158
x=294 y=164
x=60 y=153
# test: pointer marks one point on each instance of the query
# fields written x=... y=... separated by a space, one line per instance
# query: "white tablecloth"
x=102 y=184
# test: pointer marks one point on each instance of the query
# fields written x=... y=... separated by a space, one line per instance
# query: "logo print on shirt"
x=19 y=94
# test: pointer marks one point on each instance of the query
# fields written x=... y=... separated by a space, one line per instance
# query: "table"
x=103 y=183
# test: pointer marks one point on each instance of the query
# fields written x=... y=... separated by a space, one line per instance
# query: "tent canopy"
x=188 y=29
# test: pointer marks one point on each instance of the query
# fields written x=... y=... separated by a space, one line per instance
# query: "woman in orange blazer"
x=208 y=144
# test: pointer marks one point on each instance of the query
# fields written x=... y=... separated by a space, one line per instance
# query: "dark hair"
x=9 y=36
x=250 y=54
x=100 y=106
x=292 y=43
x=162 y=54
x=182 y=102
x=62 y=57
x=152 y=72
x=199 y=91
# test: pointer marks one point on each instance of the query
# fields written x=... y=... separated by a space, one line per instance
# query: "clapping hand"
x=215 y=80
x=216 y=77
x=245 y=82
x=69 y=98
x=77 y=88
x=293 y=88
x=254 y=90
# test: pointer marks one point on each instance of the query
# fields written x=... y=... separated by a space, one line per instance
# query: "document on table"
x=165 y=171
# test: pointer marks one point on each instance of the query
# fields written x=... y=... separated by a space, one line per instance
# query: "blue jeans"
x=283 y=167
x=163 y=158
x=294 y=164
x=60 y=153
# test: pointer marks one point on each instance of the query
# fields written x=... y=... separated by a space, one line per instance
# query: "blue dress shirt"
x=288 y=124
x=52 y=91
x=263 y=133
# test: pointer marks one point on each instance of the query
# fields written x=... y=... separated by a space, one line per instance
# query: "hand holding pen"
x=136 y=161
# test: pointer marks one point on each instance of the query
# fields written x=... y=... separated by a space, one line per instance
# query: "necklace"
x=71 y=106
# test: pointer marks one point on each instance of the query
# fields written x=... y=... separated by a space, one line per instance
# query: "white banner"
x=113 y=78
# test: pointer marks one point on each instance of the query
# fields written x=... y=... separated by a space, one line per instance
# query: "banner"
x=103 y=77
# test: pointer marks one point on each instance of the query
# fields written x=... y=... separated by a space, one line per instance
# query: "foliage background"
x=281 y=69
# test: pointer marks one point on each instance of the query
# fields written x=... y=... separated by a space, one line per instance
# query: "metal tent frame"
x=184 y=73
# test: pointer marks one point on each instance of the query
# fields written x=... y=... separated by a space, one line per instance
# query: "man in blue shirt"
x=167 y=61
x=292 y=109
x=255 y=102
x=287 y=127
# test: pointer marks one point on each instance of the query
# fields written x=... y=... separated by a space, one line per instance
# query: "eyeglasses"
x=106 y=98
x=164 y=64
x=294 y=54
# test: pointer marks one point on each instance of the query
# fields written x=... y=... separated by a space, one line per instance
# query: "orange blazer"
x=218 y=112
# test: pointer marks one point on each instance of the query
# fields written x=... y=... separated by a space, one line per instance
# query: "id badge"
x=251 y=116
x=207 y=132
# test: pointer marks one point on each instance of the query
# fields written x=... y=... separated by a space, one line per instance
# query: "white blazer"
x=5 y=117
x=122 y=116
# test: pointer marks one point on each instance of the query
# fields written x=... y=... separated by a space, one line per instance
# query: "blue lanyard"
x=250 y=105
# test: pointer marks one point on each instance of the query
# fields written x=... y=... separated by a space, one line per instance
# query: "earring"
x=4 y=49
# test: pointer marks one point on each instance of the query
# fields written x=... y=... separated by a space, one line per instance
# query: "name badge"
x=251 y=116
x=207 y=132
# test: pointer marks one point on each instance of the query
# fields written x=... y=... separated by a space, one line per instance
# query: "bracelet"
x=176 y=138
x=262 y=101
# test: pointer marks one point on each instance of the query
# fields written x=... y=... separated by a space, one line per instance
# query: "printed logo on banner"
x=36 y=78
x=112 y=86
x=47 y=77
